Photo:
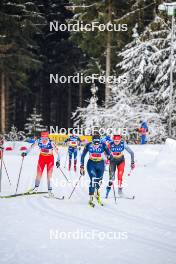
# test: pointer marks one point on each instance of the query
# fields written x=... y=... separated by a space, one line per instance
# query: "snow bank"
x=167 y=157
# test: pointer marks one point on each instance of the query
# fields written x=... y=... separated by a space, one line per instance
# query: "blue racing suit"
x=95 y=164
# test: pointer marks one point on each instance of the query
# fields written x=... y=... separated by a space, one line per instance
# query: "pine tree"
x=18 y=26
x=136 y=65
x=159 y=35
x=60 y=56
x=102 y=46
x=34 y=124
x=89 y=116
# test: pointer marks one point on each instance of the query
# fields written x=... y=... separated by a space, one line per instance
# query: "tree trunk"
x=2 y=103
x=80 y=94
x=108 y=56
x=69 y=105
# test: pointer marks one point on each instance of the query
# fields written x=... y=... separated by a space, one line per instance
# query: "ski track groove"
x=51 y=210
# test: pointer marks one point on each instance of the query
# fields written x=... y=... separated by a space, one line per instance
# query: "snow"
x=147 y=223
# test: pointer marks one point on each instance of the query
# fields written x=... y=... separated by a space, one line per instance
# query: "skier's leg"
x=70 y=158
x=112 y=169
x=100 y=167
x=121 y=168
x=92 y=174
x=143 y=139
x=50 y=165
x=40 y=168
x=75 y=158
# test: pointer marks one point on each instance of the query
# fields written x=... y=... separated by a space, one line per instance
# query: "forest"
x=42 y=44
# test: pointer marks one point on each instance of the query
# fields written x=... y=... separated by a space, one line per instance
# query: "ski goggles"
x=96 y=142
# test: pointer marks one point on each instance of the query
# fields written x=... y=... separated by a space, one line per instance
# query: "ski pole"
x=75 y=187
x=64 y=174
x=1 y=156
x=115 y=198
x=131 y=170
x=66 y=160
x=6 y=172
x=19 y=174
x=129 y=173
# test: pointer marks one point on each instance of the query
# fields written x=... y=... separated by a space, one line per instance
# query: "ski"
x=54 y=197
x=126 y=197
x=122 y=197
x=21 y=194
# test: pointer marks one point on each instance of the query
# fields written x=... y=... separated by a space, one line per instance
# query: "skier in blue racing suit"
x=95 y=166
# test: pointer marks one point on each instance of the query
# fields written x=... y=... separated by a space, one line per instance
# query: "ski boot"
x=50 y=194
x=98 y=197
x=91 y=203
x=120 y=192
x=33 y=190
x=108 y=188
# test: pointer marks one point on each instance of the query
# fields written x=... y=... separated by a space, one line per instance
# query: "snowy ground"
x=145 y=228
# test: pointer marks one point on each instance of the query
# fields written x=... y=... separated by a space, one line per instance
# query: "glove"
x=110 y=157
x=82 y=171
x=58 y=163
x=23 y=154
x=132 y=165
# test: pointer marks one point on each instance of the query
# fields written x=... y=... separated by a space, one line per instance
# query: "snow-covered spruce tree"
x=158 y=34
x=136 y=64
x=127 y=111
x=34 y=124
x=91 y=115
x=14 y=135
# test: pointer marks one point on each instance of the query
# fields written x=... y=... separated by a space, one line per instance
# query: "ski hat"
x=117 y=137
x=96 y=139
x=44 y=134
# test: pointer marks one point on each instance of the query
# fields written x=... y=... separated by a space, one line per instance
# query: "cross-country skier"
x=46 y=158
x=143 y=130
x=117 y=146
x=73 y=144
x=95 y=166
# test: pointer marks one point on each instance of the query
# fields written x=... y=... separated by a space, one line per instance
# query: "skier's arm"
x=79 y=141
x=107 y=151
x=25 y=153
x=129 y=150
x=68 y=139
x=84 y=154
x=56 y=151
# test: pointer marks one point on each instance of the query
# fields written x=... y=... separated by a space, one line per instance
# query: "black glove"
x=110 y=157
x=58 y=164
x=23 y=154
x=132 y=165
x=82 y=171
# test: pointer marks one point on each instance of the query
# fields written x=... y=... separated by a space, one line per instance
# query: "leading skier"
x=95 y=166
x=46 y=158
